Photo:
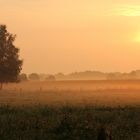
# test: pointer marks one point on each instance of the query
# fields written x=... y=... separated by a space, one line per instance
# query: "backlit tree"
x=10 y=64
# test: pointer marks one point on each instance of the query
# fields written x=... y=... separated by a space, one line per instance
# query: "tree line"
x=35 y=77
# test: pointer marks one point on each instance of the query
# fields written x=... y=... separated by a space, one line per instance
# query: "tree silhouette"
x=34 y=76
x=23 y=77
x=10 y=64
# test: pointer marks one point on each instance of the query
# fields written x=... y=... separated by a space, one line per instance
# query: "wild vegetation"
x=69 y=123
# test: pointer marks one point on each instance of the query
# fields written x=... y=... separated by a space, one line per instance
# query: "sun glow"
x=137 y=39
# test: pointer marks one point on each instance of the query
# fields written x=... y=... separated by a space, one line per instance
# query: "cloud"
x=127 y=10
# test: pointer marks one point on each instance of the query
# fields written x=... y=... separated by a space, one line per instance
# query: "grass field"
x=110 y=93
x=68 y=123
x=70 y=110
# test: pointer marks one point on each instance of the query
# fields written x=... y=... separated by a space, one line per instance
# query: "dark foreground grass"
x=68 y=123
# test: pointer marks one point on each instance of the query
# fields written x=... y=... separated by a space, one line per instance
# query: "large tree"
x=10 y=64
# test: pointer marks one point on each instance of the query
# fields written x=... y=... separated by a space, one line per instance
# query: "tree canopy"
x=34 y=76
x=10 y=64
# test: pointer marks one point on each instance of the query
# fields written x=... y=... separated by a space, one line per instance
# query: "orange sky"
x=75 y=35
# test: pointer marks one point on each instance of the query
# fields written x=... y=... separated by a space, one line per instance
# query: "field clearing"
x=108 y=93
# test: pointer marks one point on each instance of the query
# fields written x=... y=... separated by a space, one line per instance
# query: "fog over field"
x=108 y=93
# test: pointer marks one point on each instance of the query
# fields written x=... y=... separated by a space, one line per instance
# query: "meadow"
x=68 y=123
x=108 y=93
x=70 y=110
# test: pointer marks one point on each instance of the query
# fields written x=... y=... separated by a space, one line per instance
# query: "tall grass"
x=68 y=122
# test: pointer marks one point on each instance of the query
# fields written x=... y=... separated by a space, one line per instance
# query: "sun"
x=137 y=38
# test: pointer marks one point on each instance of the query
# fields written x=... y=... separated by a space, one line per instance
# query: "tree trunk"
x=1 y=86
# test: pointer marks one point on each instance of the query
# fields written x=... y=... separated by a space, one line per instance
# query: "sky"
x=75 y=35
